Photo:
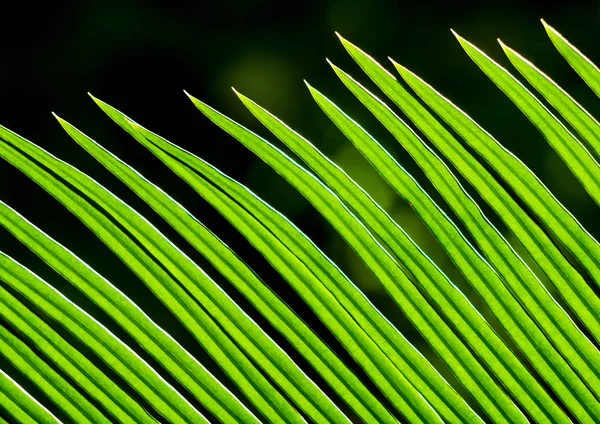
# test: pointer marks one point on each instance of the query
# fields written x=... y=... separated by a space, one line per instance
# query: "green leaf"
x=569 y=283
x=578 y=61
x=258 y=345
x=56 y=348
x=584 y=123
x=399 y=286
x=317 y=292
x=570 y=149
x=461 y=313
x=58 y=390
x=163 y=348
x=20 y=405
x=321 y=357
x=204 y=328
x=466 y=258
x=132 y=368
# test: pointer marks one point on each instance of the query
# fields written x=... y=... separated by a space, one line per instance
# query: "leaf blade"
x=406 y=295
x=210 y=336
x=221 y=256
x=561 y=273
x=587 y=70
x=584 y=123
x=390 y=169
x=570 y=149
x=20 y=405
x=132 y=368
x=58 y=390
x=455 y=306
x=158 y=343
x=323 y=302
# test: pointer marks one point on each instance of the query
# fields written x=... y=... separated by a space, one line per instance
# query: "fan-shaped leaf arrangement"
x=542 y=364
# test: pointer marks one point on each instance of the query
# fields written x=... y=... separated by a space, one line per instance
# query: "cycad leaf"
x=276 y=363
x=229 y=356
x=69 y=359
x=58 y=390
x=316 y=292
x=561 y=273
x=20 y=405
x=325 y=361
x=570 y=149
x=586 y=69
x=584 y=123
x=521 y=280
x=473 y=265
x=191 y=374
x=451 y=301
x=392 y=277
x=483 y=279
x=133 y=369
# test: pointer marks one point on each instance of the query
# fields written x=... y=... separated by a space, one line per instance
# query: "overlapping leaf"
x=472 y=217
x=192 y=315
x=561 y=273
x=583 y=165
x=20 y=405
x=498 y=380
x=586 y=69
x=461 y=312
x=191 y=374
x=346 y=384
x=339 y=317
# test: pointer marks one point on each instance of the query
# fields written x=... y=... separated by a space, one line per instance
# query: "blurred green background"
x=139 y=56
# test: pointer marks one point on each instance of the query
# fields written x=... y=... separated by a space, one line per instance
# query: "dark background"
x=139 y=56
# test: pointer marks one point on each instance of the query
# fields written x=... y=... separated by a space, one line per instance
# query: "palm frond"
x=541 y=364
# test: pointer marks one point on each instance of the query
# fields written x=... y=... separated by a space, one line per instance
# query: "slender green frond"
x=133 y=369
x=229 y=356
x=521 y=280
x=401 y=288
x=509 y=350
x=586 y=69
x=58 y=390
x=258 y=345
x=452 y=302
x=572 y=287
x=584 y=123
x=570 y=149
x=189 y=372
x=323 y=359
x=20 y=405
x=69 y=359
x=478 y=272
x=316 y=292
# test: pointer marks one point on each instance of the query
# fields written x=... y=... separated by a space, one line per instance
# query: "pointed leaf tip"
x=550 y=29
x=397 y=65
x=335 y=68
x=238 y=94
x=546 y=24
